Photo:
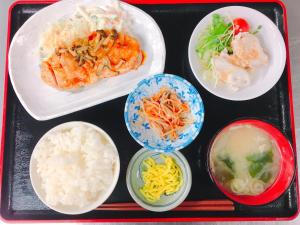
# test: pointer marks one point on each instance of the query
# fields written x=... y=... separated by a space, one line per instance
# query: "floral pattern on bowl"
x=140 y=129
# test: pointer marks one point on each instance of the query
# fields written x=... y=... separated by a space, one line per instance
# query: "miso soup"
x=245 y=160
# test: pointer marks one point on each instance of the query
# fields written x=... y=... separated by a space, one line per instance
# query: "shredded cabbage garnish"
x=85 y=20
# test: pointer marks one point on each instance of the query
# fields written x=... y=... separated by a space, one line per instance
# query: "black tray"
x=21 y=133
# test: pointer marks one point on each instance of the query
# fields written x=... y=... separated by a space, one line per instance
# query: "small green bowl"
x=135 y=181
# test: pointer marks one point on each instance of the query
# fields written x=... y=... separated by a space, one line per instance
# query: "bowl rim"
x=101 y=199
x=181 y=197
x=212 y=90
x=163 y=149
x=245 y=121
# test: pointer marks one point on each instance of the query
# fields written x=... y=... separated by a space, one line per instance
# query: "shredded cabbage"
x=83 y=22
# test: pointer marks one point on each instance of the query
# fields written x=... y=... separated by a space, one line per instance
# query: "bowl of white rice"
x=74 y=167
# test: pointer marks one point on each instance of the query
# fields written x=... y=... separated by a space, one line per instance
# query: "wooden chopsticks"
x=201 y=205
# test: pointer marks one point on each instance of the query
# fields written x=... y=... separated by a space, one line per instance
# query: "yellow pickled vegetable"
x=160 y=179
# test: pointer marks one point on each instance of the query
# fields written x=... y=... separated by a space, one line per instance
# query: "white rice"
x=76 y=166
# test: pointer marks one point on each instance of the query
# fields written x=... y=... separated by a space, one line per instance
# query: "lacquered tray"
x=21 y=132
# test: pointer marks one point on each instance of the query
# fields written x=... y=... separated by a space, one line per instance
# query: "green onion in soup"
x=245 y=160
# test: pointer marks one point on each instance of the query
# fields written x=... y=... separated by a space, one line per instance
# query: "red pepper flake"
x=92 y=36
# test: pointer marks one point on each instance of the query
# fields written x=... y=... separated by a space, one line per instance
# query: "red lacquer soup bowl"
x=286 y=166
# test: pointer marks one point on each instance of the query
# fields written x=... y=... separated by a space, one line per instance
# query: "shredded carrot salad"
x=166 y=113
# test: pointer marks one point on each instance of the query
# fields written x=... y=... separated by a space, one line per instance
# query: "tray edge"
x=181 y=219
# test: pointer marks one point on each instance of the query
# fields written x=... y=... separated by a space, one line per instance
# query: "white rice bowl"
x=74 y=167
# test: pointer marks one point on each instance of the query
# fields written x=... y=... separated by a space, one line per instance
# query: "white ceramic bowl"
x=36 y=180
x=271 y=40
x=43 y=102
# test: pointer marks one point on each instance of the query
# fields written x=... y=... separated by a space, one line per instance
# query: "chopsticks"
x=201 y=205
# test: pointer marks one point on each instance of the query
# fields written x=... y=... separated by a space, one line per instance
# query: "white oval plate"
x=271 y=40
x=43 y=102
x=37 y=182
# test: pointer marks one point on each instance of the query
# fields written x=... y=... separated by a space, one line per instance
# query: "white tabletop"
x=293 y=7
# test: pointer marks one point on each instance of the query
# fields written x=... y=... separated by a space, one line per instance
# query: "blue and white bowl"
x=140 y=129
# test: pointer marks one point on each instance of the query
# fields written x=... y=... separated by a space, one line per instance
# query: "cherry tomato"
x=240 y=25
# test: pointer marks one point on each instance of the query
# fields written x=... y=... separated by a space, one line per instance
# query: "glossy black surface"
x=18 y=200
